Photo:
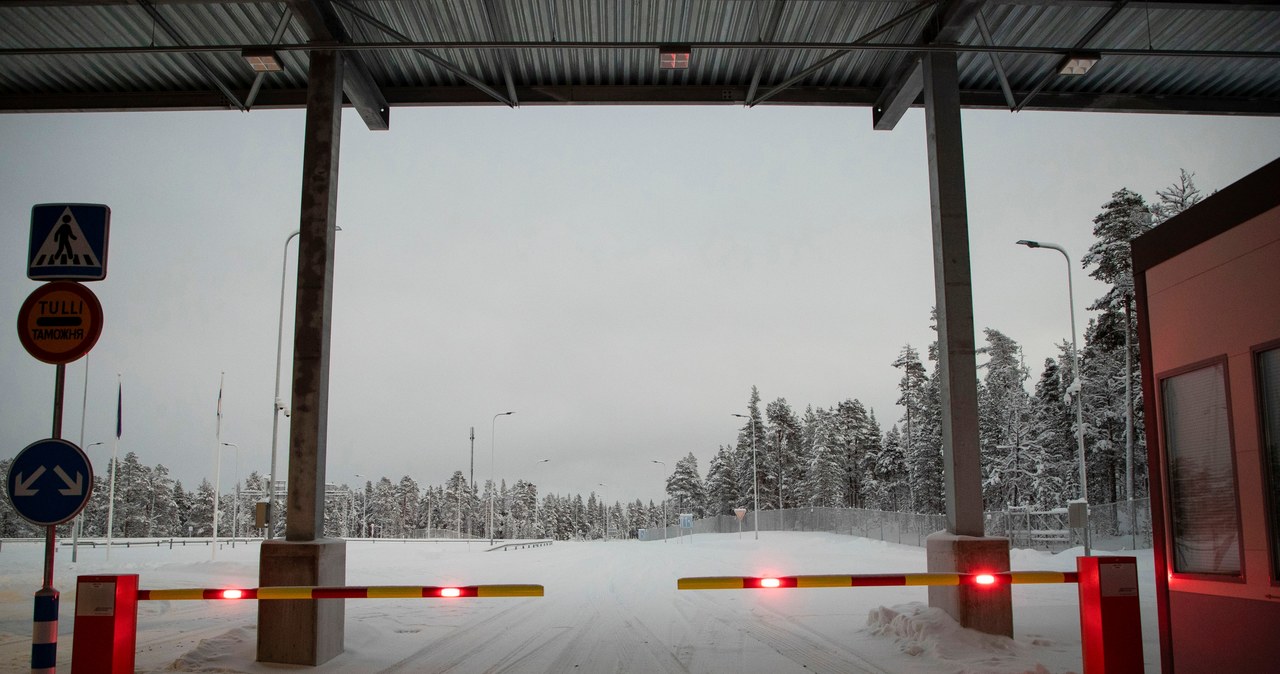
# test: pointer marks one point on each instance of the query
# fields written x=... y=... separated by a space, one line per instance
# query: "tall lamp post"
x=1078 y=385
x=493 y=480
x=664 y=502
x=277 y=405
x=755 y=474
x=235 y=507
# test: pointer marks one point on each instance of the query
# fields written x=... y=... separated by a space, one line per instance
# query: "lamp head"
x=1029 y=244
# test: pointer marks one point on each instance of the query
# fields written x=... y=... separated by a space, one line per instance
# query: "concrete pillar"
x=959 y=380
x=310 y=632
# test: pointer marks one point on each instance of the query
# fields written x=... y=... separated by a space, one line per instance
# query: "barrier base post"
x=301 y=631
x=1110 y=614
x=986 y=609
x=106 y=625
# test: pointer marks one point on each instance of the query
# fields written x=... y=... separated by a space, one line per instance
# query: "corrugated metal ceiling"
x=1217 y=57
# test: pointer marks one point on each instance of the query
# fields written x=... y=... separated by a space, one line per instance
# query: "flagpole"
x=84 y=405
x=217 y=471
x=115 y=452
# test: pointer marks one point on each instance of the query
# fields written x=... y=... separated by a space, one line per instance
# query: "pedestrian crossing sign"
x=68 y=242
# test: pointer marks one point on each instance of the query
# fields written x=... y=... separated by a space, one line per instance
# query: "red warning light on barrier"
x=232 y=594
x=984 y=579
x=767 y=582
x=451 y=592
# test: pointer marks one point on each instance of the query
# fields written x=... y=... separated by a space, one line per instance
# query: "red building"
x=1207 y=284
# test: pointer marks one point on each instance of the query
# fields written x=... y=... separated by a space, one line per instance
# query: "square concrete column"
x=962 y=548
x=303 y=631
x=986 y=609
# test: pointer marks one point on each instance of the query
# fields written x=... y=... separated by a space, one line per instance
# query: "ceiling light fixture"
x=673 y=57
x=1078 y=63
x=262 y=60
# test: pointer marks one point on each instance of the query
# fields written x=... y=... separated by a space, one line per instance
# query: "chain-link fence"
x=1112 y=526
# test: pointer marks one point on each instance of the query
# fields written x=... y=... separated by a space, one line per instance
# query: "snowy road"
x=609 y=607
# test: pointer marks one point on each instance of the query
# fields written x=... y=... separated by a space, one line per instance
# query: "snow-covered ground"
x=609 y=607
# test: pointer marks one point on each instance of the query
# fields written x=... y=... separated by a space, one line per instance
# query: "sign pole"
x=44 y=629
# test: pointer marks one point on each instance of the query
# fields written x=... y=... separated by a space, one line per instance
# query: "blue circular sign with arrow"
x=50 y=482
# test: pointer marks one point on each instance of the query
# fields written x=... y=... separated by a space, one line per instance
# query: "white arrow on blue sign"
x=50 y=482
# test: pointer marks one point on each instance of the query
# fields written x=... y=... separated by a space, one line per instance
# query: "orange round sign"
x=60 y=322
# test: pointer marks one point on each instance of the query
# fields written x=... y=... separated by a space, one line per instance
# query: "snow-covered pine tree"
x=182 y=510
x=1051 y=448
x=721 y=484
x=1176 y=198
x=890 y=473
x=1003 y=409
x=783 y=465
x=162 y=515
x=825 y=478
x=925 y=454
x=201 y=522
x=748 y=467
x=685 y=486
x=911 y=392
x=406 y=511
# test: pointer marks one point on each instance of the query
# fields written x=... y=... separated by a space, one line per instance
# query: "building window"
x=1202 y=487
x=1269 y=394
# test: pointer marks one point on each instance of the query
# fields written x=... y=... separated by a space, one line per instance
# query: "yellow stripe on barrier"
x=176 y=595
x=932 y=579
x=710 y=583
x=509 y=591
x=395 y=592
x=824 y=581
x=284 y=592
x=1016 y=577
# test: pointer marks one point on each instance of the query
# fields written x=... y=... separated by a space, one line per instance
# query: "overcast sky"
x=618 y=277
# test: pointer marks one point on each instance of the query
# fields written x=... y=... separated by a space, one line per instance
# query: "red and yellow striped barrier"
x=376 y=592
x=876 y=580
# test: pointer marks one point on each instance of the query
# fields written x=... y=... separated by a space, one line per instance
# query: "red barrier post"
x=106 y=624
x=1110 y=616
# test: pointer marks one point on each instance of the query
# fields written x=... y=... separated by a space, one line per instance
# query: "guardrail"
x=520 y=545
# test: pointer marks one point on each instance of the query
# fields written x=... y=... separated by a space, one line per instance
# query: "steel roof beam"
x=766 y=35
x=501 y=31
x=638 y=95
x=903 y=90
x=195 y=59
x=321 y=24
x=281 y=25
x=837 y=55
x=1082 y=42
x=443 y=63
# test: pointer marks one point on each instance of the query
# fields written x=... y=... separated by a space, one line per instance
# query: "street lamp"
x=493 y=480
x=755 y=474
x=277 y=406
x=1077 y=385
x=664 y=502
x=217 y=489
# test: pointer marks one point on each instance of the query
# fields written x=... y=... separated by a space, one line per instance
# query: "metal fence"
x=1125 y=525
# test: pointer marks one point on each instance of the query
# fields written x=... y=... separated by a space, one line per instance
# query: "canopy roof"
x=1174 y=56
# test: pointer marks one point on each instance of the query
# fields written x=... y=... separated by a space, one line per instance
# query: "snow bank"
x=930 y=633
